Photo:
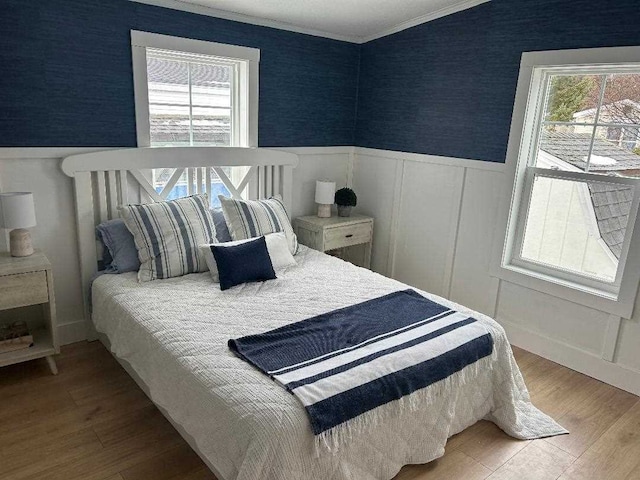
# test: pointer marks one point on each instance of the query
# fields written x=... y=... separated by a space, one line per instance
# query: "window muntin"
x=579 y=182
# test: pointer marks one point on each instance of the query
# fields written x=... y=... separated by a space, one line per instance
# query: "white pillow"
x=277 y=246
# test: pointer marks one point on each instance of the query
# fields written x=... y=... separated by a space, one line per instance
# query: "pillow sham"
x=222 y=230
x=120 y=252
x=277 y=246
x=253 y=218
x=167 y=235
x=246 y=262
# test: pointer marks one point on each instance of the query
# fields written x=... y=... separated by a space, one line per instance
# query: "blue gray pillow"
x=242 y=263
x=222 y=230
x=120 y=252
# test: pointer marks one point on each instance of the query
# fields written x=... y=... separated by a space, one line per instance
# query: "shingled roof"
x=611 y=204
x=574 y=147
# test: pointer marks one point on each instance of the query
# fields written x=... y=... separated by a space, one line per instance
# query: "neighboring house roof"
x=590 y=112
x=611 y=204
x=574 y=147
x=176 y=130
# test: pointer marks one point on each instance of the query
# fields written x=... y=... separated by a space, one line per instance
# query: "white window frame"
x=617 y=299
x=246 y=95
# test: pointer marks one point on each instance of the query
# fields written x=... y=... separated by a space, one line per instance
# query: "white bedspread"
x=174 y=334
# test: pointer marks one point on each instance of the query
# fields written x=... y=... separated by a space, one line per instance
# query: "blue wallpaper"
x=66 y=77
x=444 y=88
x=447 y=87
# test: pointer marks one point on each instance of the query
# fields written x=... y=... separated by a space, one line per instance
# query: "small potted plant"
x=346 y=199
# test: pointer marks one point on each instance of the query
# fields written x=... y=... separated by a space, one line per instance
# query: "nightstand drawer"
x=340 y=237
x=23 y=289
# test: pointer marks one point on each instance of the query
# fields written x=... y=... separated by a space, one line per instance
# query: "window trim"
x=249 y=87
x=522 y=139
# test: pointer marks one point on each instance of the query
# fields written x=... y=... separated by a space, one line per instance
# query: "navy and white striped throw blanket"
x=350 y=361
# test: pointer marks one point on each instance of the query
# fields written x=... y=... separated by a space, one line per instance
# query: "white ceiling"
x=352 y=20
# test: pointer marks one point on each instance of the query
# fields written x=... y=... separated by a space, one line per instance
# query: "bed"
x=171 y=335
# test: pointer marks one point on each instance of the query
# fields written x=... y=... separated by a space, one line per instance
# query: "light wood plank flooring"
x=92 y=422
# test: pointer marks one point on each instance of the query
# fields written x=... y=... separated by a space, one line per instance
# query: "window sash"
x=534 y=117
x=584 y=280
x=196 y=59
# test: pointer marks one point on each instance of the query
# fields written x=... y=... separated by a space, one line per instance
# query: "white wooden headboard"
x=106 y=179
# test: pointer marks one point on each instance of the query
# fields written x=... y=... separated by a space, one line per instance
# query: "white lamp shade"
x=325 y=192
x=17 y=210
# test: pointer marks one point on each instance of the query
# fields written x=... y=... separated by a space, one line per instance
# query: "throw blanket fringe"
x=331 y=440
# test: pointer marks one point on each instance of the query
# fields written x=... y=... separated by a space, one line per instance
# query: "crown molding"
x=443 y=12
x=239 y=17
x=264 y=22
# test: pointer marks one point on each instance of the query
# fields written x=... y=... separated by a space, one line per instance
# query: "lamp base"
x=324 y=211
x=20 y=244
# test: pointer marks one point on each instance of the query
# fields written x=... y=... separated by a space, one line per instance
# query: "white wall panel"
x=471 y=284
x=548 y=316
x=628 y=348
x=374 y=181
x=427 y=224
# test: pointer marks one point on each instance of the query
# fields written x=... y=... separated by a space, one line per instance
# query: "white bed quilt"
x=174 y=334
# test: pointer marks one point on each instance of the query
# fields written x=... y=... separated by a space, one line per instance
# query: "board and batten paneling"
x=471 y=284
x=374 y=181
x=538 y=312
x=435 y=228
x=427 y=223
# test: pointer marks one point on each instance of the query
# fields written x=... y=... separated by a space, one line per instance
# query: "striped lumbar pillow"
x=167 y=235
x=254 y=218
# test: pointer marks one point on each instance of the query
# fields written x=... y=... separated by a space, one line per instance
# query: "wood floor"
x=91 y=422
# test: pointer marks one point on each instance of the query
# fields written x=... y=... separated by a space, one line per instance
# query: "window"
x=576 y=169
x=191 y=93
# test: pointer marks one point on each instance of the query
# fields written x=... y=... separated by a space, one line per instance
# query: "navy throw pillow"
x=242 y=263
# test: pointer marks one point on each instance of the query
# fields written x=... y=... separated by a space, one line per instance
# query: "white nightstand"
x=26 y=281
x=336 y=233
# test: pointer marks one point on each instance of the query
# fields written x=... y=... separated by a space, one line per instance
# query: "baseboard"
x=574 y=358
x=72 y=332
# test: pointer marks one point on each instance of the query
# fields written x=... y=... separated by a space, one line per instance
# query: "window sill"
x=603 y=301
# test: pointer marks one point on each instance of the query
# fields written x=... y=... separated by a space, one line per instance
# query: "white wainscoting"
x=435 y=225
x=38 y=170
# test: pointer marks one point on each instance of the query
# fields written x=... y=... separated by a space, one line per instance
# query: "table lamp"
x=325 y=192
x=17 y=213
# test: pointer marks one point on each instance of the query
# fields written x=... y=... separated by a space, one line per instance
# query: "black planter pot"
x=344 y=210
